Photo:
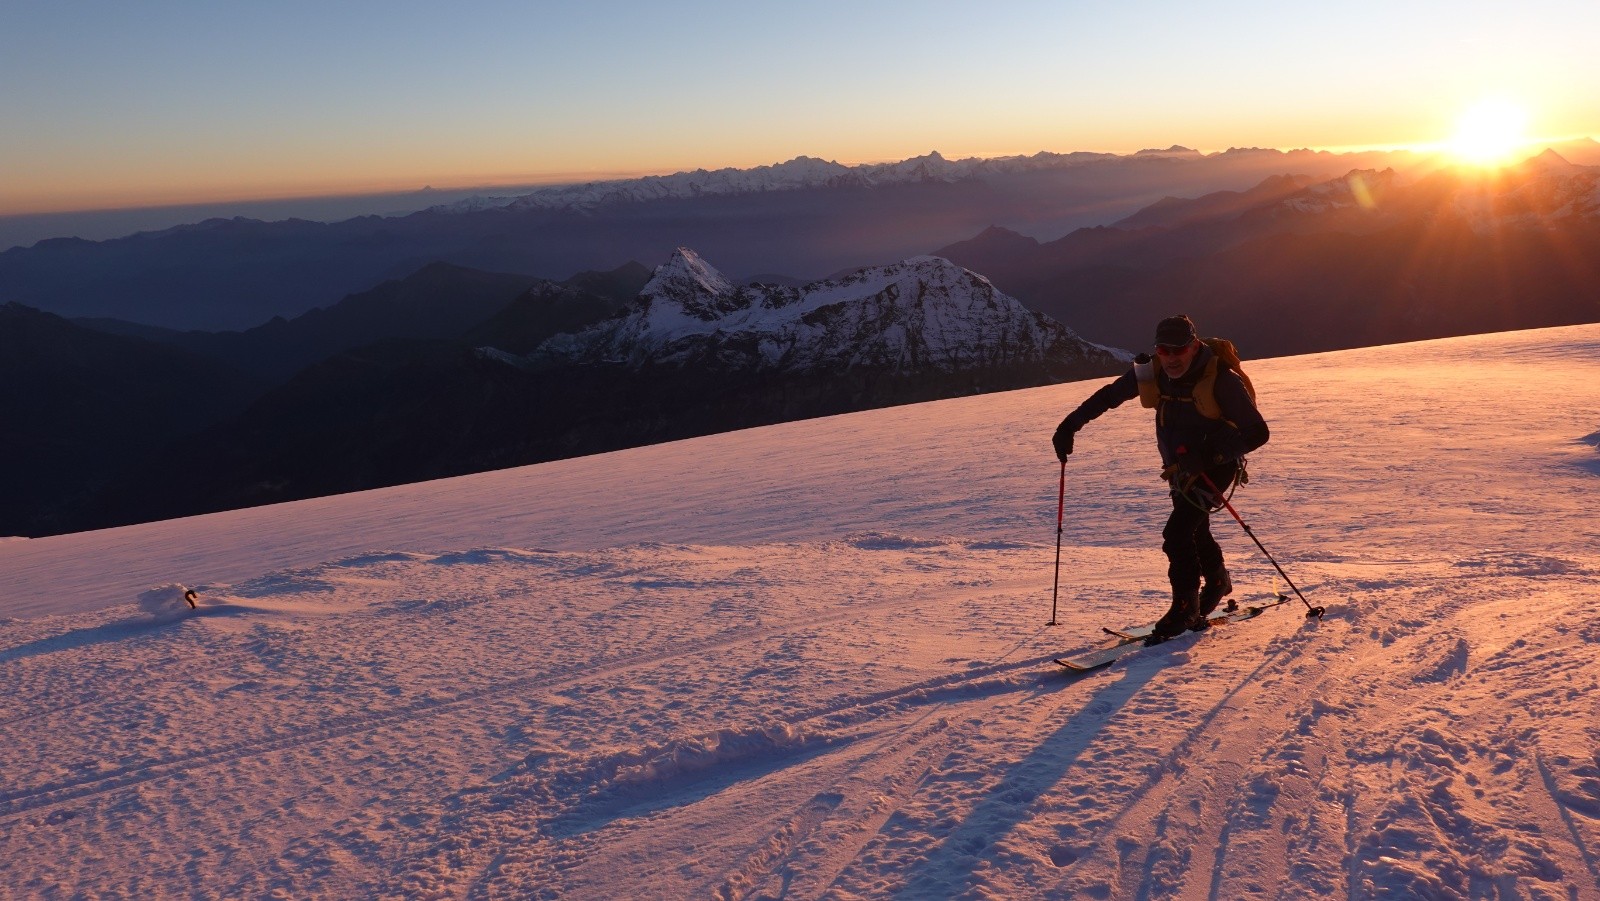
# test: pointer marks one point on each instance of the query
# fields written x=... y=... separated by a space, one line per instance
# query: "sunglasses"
x=1173 y=350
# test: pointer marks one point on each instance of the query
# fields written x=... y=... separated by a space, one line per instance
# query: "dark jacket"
x=1180 y=428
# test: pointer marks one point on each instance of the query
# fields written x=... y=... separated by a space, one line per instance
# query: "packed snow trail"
x=811 y=661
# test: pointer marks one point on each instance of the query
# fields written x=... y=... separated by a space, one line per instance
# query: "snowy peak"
x=921 y=314
x=931 y=167
x=1176 y=151
x=693 y=286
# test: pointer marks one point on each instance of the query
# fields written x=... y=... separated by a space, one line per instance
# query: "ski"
x=1132 y=638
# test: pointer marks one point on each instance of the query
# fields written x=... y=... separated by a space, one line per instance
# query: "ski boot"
x=1217 y=587
x=1178 y=618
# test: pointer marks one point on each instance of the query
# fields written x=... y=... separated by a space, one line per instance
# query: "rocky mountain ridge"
x=919 y=316
x=1374 y=256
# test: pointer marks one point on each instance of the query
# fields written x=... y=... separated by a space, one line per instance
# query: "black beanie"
x=1176 y=330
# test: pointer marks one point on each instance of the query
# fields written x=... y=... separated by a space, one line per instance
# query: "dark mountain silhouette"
x=622 y=284
x=548 y=309
x=1580 y=151
x=109 y=403
x=1173 y=212
x=439 y=300
x=80 y=406
x=545 y=310
x=1366 y=259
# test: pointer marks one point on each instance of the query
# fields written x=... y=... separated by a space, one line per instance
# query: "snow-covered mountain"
x=924 y=315
x=809 y=172
x=804 y=172
x=796 y=174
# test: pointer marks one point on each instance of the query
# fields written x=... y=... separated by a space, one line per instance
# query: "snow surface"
x=811 y=661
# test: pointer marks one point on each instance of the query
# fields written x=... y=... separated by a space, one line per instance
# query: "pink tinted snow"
x=810 y=661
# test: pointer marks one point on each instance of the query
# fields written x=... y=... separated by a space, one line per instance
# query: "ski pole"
x=1310 y=610
x=1061 y=508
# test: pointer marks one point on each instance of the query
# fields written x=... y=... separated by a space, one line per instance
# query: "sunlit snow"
x=811 y=661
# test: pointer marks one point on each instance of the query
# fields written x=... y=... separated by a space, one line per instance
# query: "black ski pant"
x=1187 y=542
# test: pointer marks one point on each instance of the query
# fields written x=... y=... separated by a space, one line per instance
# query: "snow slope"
x=811 y=661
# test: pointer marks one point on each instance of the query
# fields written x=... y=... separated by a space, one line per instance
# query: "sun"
x=1490 y=132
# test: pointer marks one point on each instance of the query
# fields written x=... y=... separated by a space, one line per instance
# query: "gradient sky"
x=110 y=104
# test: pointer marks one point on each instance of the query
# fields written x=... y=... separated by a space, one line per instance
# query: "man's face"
x=1175 y=360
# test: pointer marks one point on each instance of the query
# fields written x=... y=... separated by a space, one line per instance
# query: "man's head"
x=1177 y=342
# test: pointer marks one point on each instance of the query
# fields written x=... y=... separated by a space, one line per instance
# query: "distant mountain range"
x=798 y=174
x=453 y=371
x=804 y=173
x=803 y=219
x=1295 y=265
x=454 y=368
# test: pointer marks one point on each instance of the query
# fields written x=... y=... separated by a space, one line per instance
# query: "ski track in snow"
x=767 y=679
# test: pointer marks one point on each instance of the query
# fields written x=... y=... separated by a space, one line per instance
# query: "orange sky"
x=125 y=105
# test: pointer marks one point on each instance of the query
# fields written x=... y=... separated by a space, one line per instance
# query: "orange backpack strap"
x=1205 y=391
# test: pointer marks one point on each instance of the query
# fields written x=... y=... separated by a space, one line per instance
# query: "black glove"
x=1063 y=440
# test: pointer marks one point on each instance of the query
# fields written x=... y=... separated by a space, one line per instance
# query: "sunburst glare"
x=1490 y=132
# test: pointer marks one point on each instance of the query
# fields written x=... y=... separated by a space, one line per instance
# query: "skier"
x=1206 y=421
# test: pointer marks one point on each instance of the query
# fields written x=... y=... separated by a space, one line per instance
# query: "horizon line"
x=534 y=182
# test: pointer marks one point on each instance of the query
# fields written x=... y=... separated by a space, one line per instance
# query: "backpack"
x=1223 y=353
